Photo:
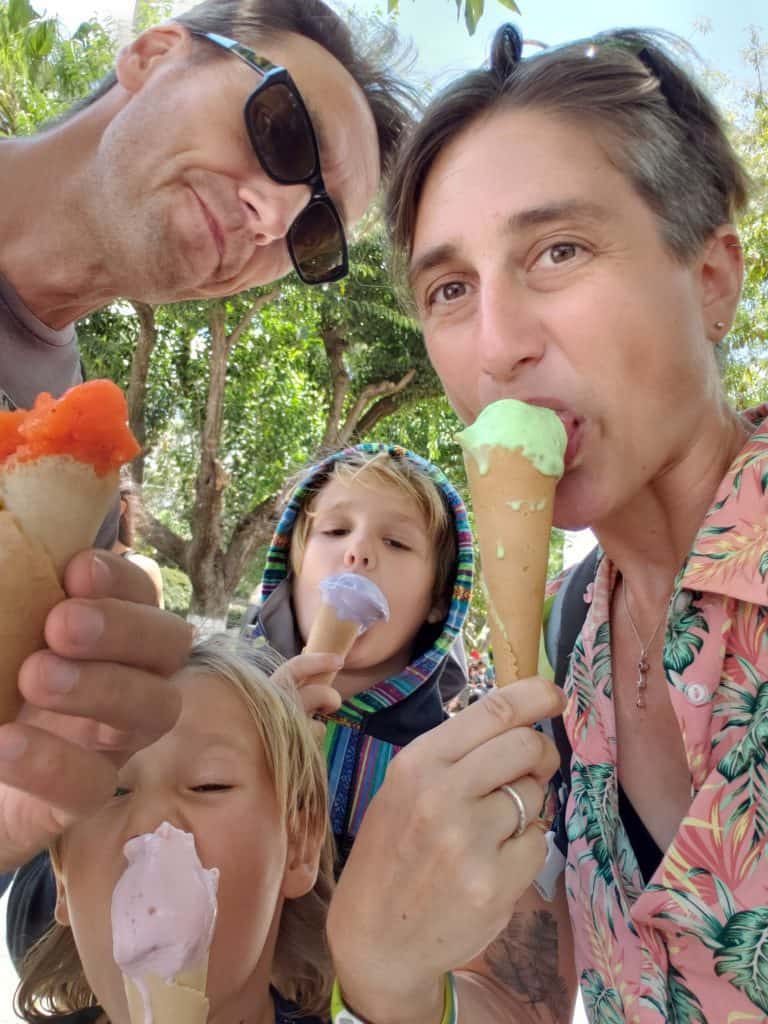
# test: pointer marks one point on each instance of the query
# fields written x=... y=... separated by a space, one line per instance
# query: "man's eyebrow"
x=537 y=216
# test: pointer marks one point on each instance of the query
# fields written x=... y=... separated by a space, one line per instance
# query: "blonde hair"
x=52 y=977
x=381 y=469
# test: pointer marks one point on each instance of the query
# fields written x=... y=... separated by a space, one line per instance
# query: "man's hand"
x=95 y=697
x=434 y=874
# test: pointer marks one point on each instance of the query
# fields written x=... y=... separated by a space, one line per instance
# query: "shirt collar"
x=730 y=553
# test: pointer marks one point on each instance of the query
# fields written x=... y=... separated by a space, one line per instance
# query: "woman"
x=566 y=223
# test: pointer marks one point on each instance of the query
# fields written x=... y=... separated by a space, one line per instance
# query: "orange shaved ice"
x=89 y=422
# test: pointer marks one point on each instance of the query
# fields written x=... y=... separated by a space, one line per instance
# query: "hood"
x=448 y=640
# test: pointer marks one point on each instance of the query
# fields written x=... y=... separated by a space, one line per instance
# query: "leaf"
x=682 y=1005
x=393 y=6
x=473 y=12
x=744 y=954
x=20 y=14
x=510 y=5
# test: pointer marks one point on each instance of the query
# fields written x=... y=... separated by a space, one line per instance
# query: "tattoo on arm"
x=524 y=959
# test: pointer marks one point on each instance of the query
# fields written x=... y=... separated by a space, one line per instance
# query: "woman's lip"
x=574 y=427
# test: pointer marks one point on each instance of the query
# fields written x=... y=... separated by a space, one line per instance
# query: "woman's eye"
x=560 y=252
x=448 y=292
x=211 y=787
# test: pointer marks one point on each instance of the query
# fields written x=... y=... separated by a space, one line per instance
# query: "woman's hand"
x=437 y=867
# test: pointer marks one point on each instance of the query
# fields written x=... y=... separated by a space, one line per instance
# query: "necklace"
x=643 y=665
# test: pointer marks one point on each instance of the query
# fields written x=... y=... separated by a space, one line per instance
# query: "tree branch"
x=247 y=318
x=170 y=545
x=353 y=425
x=335 y=347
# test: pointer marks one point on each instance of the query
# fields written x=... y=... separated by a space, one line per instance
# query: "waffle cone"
x=28 y=590
x=181 y=1001
x=513 y=505
x=59 y=501
x=331 y=635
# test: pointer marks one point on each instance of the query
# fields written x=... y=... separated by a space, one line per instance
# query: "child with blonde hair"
x=393 y=517
x=243 y=773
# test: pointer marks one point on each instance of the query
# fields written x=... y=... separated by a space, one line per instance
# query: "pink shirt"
x=691 y=946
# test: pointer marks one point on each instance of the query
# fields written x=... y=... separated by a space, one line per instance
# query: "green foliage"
x=43 y=70
x=472 y=9
x=177 y=590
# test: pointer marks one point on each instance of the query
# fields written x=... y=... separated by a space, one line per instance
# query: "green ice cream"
x=537 y=432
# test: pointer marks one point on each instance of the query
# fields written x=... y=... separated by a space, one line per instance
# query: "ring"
x=522 y=814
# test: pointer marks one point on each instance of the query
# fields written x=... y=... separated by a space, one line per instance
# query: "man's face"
x=207 y=776
x=180 y=205
x=540 y=275
x=375 y=531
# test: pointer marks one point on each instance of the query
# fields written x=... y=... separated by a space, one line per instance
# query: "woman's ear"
x=61 y=911
x=722 y=273
x=302 y=865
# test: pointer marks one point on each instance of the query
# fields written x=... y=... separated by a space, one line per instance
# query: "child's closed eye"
x=121 y=791
x=392 y=542
x=212 y=787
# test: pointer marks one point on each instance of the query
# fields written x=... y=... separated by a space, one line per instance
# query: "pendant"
x=642 y=679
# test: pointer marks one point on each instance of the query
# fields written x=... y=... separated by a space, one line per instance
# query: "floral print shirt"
x=691 y=947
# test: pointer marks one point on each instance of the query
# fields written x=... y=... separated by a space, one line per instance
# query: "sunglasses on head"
x=284 y=140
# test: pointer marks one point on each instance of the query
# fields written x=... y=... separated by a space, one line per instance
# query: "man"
x=197 y=170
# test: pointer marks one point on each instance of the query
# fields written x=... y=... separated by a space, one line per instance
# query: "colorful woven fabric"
x=357 y=760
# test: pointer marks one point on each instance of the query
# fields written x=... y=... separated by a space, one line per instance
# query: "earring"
x=719 y=324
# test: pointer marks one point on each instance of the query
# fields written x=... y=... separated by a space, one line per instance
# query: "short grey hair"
x=654 y=122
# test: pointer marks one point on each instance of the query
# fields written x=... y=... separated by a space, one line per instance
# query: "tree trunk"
x=137 y=386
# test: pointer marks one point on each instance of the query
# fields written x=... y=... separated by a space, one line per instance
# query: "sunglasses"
x=283 y=139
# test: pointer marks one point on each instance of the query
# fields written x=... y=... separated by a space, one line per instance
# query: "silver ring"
x=522 y=814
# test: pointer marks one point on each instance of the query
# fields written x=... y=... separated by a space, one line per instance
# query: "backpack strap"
x=566 y=618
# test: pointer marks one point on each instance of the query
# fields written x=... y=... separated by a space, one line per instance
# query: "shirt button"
x=697 y=694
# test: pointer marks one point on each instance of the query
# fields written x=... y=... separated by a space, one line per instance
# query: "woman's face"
x=541 y=275
x=207 y=776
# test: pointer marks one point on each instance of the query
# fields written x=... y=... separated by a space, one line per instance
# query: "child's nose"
x=359 y=555
x=146 y=817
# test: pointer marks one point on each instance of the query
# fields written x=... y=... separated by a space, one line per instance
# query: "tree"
x=228 y=398
x=42 y=69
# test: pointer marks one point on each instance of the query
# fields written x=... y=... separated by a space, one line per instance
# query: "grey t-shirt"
x=35 y=358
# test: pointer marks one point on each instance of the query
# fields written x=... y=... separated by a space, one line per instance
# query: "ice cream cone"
x=330 y=634
x=180 y=1001
x=351 y=603
x=61 y=502
x=28 y=591
x=512 y=504
x=514 y=458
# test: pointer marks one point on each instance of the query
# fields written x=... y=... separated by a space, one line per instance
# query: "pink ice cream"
x=355 y=597
x=163 y=906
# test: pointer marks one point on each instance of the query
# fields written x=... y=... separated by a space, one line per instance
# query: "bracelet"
x=341 y=1014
